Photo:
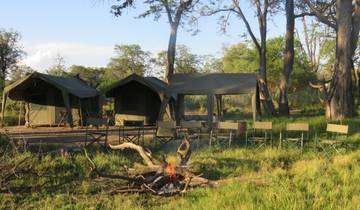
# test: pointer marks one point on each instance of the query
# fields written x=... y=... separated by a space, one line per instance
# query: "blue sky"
x=84 y=32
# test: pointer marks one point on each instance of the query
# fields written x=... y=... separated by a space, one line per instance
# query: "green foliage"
x=93 y=76
x=185 y=62
x=59 y=68
x=240 y=58
x=10 y=53
x=20 y=71
x=244 y=58
x=129 y=59
x=269 y=178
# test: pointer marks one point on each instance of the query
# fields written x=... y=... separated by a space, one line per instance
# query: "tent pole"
x=3 y=107
x=66 y=98
x=179 y=109
x=164 y=102
x=253 y=104
x=80 y=113
x=20 y=112
x=210 y=110
x=27 y=114
x=258 y=106
x=219 y=106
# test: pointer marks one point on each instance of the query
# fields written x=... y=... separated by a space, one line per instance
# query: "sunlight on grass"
x=269 y=178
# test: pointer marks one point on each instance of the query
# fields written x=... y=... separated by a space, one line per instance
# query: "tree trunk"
x=288 y=58
x=341 y=96
x=2 y=77
x=171 y=51
x=266 y=97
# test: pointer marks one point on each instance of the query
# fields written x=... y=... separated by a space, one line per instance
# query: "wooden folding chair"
x=99 y=132
x=261 y=134
x=222 y=132
x=335 y=136
x=295 y=135
x=165 y=131
x=132 y=131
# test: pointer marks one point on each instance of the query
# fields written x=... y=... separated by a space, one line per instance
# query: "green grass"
x=270 y=178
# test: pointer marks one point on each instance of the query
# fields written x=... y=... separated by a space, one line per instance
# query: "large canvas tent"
x=137 y=98
x=214 y=86
x=51 y=100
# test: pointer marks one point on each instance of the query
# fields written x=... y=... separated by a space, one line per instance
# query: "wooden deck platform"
x=62 y=134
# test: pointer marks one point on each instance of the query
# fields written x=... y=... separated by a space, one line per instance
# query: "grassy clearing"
x=264 y=179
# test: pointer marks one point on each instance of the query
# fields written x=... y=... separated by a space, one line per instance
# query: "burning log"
x=163 y=178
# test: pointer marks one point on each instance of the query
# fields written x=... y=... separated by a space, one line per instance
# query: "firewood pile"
x=157 y=177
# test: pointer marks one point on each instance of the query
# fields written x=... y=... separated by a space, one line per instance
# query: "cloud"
x=42 y=56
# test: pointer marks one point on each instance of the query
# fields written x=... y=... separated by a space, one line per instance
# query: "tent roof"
x=153 y=83
x=214 y=83
x=71 y=85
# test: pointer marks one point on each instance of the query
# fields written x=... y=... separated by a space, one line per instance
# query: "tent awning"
x=217 y=84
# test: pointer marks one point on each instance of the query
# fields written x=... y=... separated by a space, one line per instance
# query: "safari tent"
x=137 y=98
x=214 y=86
x=53 y=100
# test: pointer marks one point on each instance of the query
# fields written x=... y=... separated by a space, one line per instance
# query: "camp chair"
x=223 y=131
x=165 y=131
x=97 y=134
x=335 y=135
x=261 y=134
x=132 y=131
x=192 y=128
x=294 y=135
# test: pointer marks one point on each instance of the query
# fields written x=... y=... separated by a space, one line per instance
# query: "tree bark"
x=171 y=51
x=266 y=97
x=341 y=97
x=288 y=58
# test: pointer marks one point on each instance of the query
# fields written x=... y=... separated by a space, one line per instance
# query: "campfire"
x=158 y=177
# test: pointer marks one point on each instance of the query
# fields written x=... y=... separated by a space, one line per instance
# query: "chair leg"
x=280 y=140
x=246 y=138
x=230 y=138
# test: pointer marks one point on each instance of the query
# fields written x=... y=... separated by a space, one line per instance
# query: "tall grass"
x=269 y=178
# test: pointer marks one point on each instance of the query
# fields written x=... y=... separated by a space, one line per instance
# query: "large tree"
x=128 y=59
x=186 y=61
x=10 y=53
x=343 y=16
x=244 y=58
x=58 y=68
x=289 y=54
x=175 y=10
x=263 y=8
x=93 y=76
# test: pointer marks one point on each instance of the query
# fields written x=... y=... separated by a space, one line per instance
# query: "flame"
x=170 y=170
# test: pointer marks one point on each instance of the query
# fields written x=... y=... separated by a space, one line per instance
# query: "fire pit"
x=158 y=177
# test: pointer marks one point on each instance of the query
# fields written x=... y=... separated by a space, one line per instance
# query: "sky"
x=84 y=32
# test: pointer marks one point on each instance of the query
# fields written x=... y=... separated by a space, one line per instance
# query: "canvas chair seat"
x=257 y=139
x=222 y=132
x=98 y=134
x=165 y=131
x=193 y=129
x=333 y=144
x=293 y=139
x=295 y=135
x=261 y=134
x=132 y=131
